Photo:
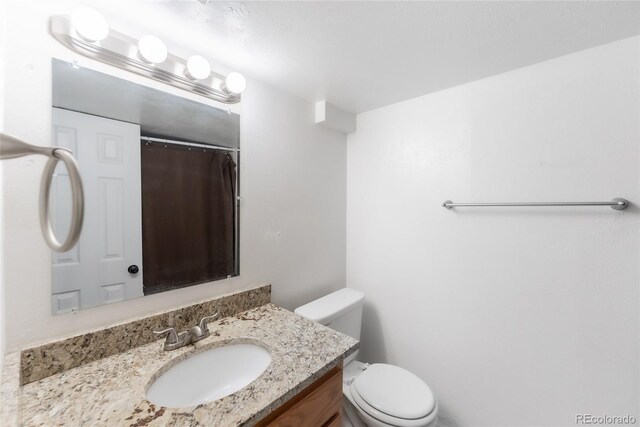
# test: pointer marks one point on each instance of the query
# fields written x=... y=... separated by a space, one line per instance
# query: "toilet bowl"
x=387 y=395
x=379 y=394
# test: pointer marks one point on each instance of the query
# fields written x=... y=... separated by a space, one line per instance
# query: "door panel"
x=95 y=271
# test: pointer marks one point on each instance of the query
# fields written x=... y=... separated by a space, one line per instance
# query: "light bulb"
x=152 y=50
x=198 y=68
x=235 y=83
x=89 y=24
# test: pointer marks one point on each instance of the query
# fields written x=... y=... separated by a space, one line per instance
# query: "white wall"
x=2 y=317
x=292 y=184
x=515 y=317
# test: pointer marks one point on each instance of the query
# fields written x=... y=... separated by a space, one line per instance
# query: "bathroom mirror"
x=160 y=177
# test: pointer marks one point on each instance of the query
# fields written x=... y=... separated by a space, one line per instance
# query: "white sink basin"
x=210 y=375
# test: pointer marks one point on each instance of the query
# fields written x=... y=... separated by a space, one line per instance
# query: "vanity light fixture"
x=152 y=50
x=235 y=83
x=147 y=57
x=198 y=68
x=89 y=24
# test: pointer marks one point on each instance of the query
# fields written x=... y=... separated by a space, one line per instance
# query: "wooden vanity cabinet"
x=319 y=405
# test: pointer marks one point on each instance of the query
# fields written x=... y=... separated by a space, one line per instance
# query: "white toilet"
x=378 y=394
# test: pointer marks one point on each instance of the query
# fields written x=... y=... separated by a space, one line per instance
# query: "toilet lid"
x=394 y=391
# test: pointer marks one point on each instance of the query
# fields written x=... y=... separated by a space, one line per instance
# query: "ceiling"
x=364 y=55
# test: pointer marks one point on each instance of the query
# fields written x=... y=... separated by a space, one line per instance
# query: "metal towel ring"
x=77 y=201
x=13 y=147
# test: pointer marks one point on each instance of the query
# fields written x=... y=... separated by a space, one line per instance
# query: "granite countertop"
x=111 y=391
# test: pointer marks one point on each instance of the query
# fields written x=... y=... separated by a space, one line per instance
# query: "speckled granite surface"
x=59 y=355
x=111 y=391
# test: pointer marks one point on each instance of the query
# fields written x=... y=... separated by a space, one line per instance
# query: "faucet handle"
x=205 y=320
x=172 y=335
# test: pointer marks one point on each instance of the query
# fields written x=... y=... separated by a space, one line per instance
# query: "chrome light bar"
x=121 y=51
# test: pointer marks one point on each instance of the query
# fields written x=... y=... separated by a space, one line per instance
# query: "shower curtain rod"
x=190 y=144
x=617 y=204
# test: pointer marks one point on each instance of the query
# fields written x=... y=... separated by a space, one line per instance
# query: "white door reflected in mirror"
x=98 y=269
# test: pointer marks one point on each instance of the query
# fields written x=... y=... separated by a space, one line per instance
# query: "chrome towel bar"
x=11 y=148
x=617 y=204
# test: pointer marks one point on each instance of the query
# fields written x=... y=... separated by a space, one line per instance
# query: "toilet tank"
x=340 y=310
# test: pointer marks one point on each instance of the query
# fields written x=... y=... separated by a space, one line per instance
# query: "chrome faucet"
x=196 y=333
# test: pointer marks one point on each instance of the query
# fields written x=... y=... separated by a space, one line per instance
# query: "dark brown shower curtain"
x=188 y=212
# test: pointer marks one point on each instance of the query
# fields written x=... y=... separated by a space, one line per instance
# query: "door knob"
x=133 y=269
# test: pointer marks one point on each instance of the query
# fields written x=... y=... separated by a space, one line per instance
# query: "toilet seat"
x=394 y=396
